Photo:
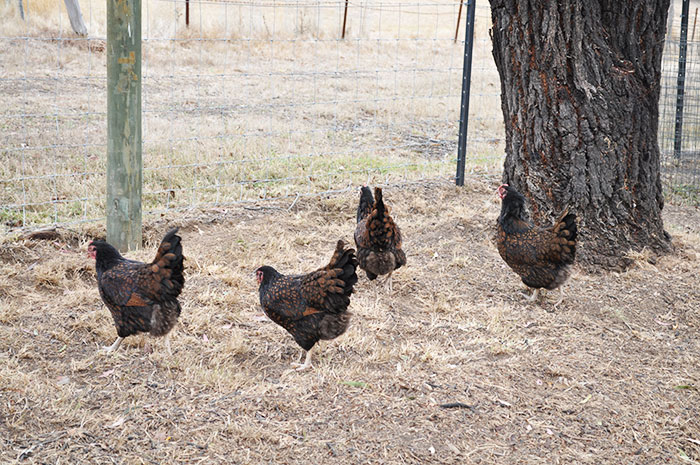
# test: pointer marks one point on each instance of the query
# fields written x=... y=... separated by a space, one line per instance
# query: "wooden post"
x=76 y=17
x=124 y=123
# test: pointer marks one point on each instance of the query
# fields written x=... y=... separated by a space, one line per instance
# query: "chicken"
x=377 y=237
x=541 y=256
x=142 y=297
x=312 y=306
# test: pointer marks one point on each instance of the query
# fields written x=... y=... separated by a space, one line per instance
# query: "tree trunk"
x=76 y=17
x=580 y=87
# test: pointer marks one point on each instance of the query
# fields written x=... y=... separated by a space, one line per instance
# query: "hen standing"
x=377 y=237
x=311 y=306
x=142 y=297
x=541 y=256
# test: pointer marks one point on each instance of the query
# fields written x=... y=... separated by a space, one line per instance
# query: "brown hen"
x=312 y=306
x=541 y=256
x=377 y=237
x=142 y=297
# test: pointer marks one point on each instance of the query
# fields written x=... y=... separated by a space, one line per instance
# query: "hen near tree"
x=580 y=84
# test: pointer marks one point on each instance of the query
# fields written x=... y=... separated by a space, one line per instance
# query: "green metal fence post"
x=124 y=123
x=466 y=85
x=680 y=83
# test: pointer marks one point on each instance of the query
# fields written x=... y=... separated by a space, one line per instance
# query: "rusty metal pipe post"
x=345 y=19
x=459 y=17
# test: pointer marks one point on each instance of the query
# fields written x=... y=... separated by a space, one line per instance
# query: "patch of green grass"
x=10 y=218
x=683 y=193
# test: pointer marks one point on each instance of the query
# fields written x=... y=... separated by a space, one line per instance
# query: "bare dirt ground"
x=611 y=376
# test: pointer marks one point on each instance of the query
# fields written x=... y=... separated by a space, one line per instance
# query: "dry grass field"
x=258 y=102
x=610 y=377
x=254 y=101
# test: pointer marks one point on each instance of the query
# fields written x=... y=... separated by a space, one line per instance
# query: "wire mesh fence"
x=680 y=145
x=254 y=100
x=262 y=99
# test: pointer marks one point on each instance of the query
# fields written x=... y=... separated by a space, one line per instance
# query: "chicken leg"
x=561 y=297
x=388 y=283
x=115 y=345
x=533 y=297
x=167 y=344
x=307 y=362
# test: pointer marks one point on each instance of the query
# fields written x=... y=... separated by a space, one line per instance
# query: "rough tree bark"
x=580 y=87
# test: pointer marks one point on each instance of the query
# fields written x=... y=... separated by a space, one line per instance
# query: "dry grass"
x=611 y=377
x=267 y=108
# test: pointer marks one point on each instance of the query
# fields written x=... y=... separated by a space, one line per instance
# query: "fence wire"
x=263 y=99
x=680 y=168
x=253 y=100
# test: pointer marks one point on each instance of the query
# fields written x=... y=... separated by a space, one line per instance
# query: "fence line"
x=255 y=100
x=261 y=100
x=680 y=162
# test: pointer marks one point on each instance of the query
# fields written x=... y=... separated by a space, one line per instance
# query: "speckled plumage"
x=377 y=236
x=312 y=306
x=142 y=297
x=541 y=256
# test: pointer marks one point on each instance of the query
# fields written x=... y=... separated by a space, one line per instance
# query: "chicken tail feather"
x=366 y=203
x=344 y=259
x=169 y=263
x=566 y=230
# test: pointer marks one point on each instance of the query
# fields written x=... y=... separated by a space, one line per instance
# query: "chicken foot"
x=533 y=297
x=115 y=345
x=307 y=361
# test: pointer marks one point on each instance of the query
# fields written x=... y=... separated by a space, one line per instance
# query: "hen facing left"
x=142 y=297
x=312 y=306
x=542 y=256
